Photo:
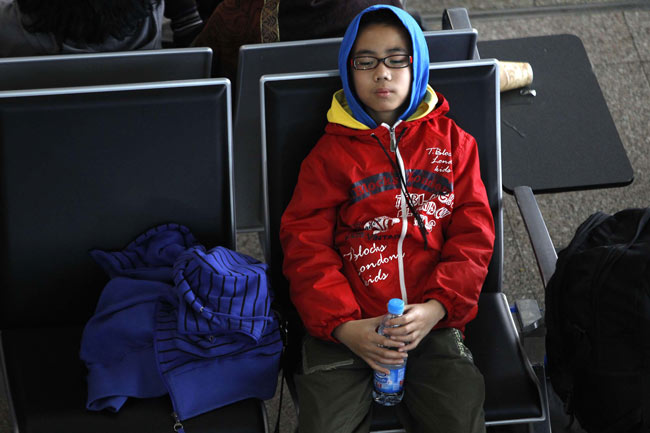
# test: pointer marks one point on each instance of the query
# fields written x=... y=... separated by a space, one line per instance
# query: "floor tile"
x=249 y=244
x=521 y=279
x=573 y=2
x=431 y=7
x=614 y=45
x=639 y=24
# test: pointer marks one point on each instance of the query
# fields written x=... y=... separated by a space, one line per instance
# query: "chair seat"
x=49 y=393
x=511 y=389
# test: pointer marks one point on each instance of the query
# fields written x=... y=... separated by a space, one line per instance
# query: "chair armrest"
x=543 y=248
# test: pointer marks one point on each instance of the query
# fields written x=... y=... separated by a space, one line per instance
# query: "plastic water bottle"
x=389 y=388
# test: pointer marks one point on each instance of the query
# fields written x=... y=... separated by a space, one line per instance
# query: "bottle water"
x=389 y=388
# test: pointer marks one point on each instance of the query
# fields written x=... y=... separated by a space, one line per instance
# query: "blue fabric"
x=179 y=320
x=222 y=289
x=225 y=367
x=150 y=256
x=420 y=64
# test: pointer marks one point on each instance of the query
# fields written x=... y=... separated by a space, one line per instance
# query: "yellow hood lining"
x=340 y=112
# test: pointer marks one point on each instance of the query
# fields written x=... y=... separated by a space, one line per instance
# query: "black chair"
x=293 y=118
x=94 y=167
x=257 y=60
x=93 y=69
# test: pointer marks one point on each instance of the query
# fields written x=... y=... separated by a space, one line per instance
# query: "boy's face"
x=382 y=90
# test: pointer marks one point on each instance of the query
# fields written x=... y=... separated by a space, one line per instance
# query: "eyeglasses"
x=396 y=61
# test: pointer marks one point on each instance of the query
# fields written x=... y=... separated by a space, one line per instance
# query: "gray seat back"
x=94 y=167
x=93 y=69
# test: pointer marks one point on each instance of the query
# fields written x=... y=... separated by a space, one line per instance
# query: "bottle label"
x=390 y=383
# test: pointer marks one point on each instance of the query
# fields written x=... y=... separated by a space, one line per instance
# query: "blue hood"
x=420 y=64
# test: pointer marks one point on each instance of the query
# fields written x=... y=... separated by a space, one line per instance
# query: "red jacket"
x=350 y=242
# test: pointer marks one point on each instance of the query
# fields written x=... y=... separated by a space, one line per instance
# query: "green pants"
x=443 y=389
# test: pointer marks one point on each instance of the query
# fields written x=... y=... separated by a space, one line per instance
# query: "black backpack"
x=597 y=318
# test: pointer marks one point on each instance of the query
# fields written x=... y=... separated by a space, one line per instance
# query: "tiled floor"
x=616 y=35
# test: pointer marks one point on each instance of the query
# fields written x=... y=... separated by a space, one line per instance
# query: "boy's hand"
x=415 y=324
x=361 y=337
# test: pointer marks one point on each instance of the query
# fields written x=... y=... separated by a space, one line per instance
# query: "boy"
x=388 y=204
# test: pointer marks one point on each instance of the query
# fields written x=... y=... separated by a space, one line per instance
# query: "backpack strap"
x=586 y=228
x=581 y=235
x=644 y=220
x=645 y=341
x=645 y=378
x=554 y=289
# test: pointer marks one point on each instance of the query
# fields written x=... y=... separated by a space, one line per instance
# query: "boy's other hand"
x=361 y=337
x=416 y=322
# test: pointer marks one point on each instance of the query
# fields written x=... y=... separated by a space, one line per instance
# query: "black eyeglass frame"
x=382 y=60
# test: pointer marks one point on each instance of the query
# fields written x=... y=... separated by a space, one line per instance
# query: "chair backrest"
x=94 y=167
x=69 y=70
x=293 y=115
x=300 y=56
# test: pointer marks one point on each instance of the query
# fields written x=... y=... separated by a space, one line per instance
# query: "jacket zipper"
x=393 y=140
x=400 y=242
x=178 y=427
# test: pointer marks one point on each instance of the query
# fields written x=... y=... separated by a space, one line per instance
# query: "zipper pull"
x=178 y=427
x=393 y=141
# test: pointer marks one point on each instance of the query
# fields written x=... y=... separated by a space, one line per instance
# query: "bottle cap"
x=395 y=306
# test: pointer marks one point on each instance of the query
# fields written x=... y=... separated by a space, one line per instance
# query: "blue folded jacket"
x=177 y=319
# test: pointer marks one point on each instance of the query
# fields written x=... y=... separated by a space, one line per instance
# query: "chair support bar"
x=542 y=244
